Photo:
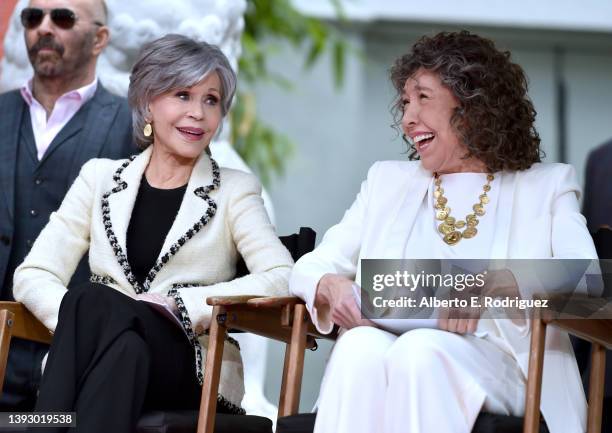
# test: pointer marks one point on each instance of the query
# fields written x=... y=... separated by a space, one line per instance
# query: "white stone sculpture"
x=132 y=24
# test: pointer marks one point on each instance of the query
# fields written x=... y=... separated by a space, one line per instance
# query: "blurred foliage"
x=269 y=23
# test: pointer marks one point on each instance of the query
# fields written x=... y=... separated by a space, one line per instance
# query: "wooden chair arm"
x=586 y=317
x=272 y=322
x=254 y=300
x=25 y=325
x=593 y=330
x=275 y=301
x=17 y=321
x=230 y=300
x=267 y=316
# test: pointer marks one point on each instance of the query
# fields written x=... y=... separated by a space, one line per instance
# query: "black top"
x=153 y=214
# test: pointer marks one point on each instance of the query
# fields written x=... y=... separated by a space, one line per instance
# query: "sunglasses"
x=63 y=18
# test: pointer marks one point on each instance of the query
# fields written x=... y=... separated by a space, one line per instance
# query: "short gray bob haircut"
x=174 y=62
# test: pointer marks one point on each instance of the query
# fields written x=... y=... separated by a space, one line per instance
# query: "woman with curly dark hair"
x=476 y=189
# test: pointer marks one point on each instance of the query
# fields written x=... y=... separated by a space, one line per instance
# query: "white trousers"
x=424 y=381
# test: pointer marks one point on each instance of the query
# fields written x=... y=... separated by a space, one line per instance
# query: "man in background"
x=49 y=128
x=597 y=204
x=597 y=208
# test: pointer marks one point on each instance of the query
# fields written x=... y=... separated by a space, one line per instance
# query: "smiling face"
x=428 y=106
x=55 y=52
x=185 y=120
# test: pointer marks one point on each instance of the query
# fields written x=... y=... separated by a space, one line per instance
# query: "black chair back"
x=298 y=244
x=603 y=242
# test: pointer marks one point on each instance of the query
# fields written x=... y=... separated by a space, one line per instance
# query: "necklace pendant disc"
x=472 y=220
x=445 y=228
x=452 y=238
x=479 y=209
x=470 y=232
x=441 y=215
x=472 y=223
x=460 y=224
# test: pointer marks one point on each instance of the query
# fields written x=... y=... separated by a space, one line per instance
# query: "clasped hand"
x=160 y=299
x=336 y=292
x=498 y=283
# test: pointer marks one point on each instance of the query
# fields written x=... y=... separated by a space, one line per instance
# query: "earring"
x=148 y=130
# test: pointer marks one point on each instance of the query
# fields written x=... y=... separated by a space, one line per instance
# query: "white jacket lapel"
x=121 y=202
x=503 y=219
x=402 y=211
x=117 y=206
x=193 y=207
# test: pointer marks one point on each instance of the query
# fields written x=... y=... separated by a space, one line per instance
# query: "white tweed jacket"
x=220 y=218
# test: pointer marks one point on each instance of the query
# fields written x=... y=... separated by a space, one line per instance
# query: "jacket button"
x=33 y=213
x=29 y=243
x=38 y=181
x=5 y=240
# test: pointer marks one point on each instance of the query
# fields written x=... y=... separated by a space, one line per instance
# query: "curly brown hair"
x=495 y=117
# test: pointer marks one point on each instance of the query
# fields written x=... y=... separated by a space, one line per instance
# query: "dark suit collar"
x=12 y=107
x=26 y=136
x=97 y=126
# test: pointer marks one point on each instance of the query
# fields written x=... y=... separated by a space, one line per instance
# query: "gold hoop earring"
x=148 y=130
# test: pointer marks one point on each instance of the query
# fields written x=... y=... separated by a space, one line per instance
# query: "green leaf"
x=263 y=148
x=339 y=53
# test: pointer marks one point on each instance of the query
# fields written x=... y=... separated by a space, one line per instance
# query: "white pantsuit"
x=431 y=380
x=376 y=381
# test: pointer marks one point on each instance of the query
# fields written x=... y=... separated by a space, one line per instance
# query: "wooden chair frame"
x=17 y=321
x=286 y=319
x=277 y=320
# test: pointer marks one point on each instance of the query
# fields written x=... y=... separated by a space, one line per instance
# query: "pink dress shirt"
x=46 y=129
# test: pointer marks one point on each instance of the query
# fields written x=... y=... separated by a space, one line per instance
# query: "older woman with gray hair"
x=164 y=231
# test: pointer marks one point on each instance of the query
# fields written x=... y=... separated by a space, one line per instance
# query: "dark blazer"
x=597 y=204
x=100 y=129
x=597 y=208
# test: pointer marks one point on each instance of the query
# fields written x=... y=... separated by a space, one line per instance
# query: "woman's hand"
x=502 y=284
x=498 y=284
x=459 y=322
x=158 y=298
x=460 y=319
x=336 y=292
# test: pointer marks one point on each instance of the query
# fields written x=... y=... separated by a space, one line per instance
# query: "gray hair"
x=173 y=62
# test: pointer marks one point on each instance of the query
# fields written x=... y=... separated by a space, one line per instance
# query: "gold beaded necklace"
x=449 y=226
